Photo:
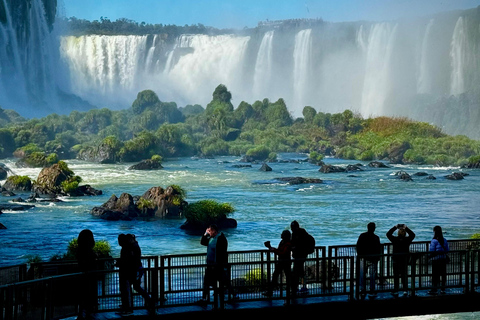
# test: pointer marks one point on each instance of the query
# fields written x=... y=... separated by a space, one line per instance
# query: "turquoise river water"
x=335 y=211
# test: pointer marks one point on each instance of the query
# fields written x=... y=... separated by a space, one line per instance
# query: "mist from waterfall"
x=374 y=68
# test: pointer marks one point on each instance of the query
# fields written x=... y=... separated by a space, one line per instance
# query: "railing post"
x=9 y=302
x=154 y=281
x=162 y=281
x=352 y=278
x=413 y=273
x=467 y=271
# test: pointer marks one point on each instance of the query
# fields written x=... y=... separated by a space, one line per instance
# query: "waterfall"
x=105 y=65
x=301 y=59
x=263 y=66
x=424 y=80
x=30 y=71
x=457 y=55
x=377 y=79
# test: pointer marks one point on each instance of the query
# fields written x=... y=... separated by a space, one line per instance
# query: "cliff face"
x=398 y=68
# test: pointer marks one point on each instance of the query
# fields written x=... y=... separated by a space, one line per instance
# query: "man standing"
x=217 y=259
x=368 y=250
x=299 y=254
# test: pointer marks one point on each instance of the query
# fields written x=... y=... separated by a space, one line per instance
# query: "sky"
x=247 y=13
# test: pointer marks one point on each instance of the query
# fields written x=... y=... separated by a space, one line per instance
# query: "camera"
x=267 y=244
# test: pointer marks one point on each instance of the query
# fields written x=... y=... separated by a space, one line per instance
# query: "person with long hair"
x=438 y=248
x=87 y=261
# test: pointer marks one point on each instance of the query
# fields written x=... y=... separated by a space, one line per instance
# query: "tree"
x=309 y=114
x=145 y=99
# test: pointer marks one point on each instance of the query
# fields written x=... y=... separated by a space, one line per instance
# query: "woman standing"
x=87 y=261
x=439 y=248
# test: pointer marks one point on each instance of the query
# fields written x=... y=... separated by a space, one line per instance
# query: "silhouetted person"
x=401 y=254
x=368 y=250
x=87 y=261
x=217 y=263
x=131 y=272
x=284 y=262
x=299 y=254
x=438 y=248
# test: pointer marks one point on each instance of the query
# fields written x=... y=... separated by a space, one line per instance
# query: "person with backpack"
x=302 y=243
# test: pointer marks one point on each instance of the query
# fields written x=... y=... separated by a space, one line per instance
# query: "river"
x=334 y=212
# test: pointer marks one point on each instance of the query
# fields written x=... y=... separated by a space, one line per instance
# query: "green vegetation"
x=204 y=212
x=102 y=249
x=152 y=129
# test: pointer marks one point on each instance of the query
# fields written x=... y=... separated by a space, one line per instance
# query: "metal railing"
x=177 y=280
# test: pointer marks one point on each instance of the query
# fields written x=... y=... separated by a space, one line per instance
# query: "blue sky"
x=247 y=13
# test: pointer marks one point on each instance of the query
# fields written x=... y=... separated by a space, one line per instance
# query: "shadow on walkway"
x=383 y=306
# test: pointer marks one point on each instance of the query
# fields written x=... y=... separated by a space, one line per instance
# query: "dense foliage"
x=258 y=131
x=125 y=26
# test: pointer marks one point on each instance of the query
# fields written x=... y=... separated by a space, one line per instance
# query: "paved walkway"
x=381 y=307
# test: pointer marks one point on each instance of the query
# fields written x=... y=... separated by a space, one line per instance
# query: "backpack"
x=309 y=243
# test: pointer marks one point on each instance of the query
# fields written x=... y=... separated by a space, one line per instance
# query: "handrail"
x=175 y=280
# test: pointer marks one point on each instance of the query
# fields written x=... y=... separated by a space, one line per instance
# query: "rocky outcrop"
x=122 y=208
x=18 y=183
x=396 y=152
x=265 y=167
x=456 y=176
x=402 y=175
x=148 y=164
x=50 y=182
x=377 y=164
x=104 y=153
x=328 y=168
x=298 y=180
x=155 y=202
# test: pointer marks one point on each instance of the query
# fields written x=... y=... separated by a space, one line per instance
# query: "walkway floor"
x=382 y=306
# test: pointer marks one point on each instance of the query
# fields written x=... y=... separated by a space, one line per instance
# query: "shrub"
x=102 y=249
x=207 y=211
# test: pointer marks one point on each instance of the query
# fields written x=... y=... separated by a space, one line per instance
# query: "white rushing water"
x=382 y=66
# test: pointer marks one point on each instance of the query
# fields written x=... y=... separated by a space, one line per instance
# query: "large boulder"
x=155 y=202
x=103 y=153
x=122 y=208
x=18 y=183
x=50 y=179
x=328 y=168
x=456 y=176
x=163 y=202
x=50 y=182
x=377 y=164
x=298 y=180
x=149 y=164
x=396 y=152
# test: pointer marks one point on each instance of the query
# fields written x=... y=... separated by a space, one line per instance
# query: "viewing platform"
x=331 y=286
